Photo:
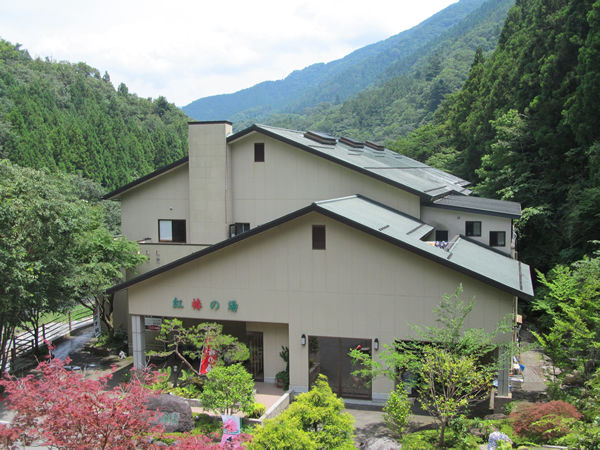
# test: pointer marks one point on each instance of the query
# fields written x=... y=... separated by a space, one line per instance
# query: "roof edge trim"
x=472 y=210
x=146 y=178
x=209 y=122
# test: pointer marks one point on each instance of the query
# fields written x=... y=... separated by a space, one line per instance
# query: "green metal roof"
x=386 y=165
x=465 y=255
x=488 y=206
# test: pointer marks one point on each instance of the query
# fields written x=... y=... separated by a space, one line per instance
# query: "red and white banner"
x=209 y=358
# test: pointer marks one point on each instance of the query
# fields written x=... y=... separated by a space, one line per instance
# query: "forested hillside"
x=68 y=117
x=409 y=92
x=526 y=127
x=333 y=82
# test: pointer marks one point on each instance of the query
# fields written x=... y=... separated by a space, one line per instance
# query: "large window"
x=329 y=356
x=171 y=231
x=318 y=237
x=238 y=228
x=473 y=229
x=259 y=152
x=497 y=238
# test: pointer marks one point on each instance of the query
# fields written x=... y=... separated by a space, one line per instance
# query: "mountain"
x=334 y=81
x=64 y=116
x=406 y=95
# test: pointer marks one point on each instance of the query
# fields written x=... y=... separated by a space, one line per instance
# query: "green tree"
x=228 y=389
x=102 y=261
x=448 y=383
x=39 y=222
x=188 y=343
x=571 y=311
x=438 y=361
x=450 y=335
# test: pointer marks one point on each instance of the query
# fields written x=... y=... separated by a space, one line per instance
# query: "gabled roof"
x=374 y=161
x=492 y=207
x=464 y=255
x=163 y=170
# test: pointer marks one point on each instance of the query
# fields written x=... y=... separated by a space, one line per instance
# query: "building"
x=312 y=242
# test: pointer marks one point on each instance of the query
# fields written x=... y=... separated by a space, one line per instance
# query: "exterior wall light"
x=376 y=344
x=303 y=339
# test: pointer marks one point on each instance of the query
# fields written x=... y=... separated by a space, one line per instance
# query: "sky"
x=185 y=50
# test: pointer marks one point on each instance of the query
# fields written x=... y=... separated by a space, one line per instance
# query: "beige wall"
x=165 y=197
x=291 y=178
x=359 y=287
x=208 y=181
x=455 y=222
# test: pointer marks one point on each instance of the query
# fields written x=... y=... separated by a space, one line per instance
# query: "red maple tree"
x=65 y=410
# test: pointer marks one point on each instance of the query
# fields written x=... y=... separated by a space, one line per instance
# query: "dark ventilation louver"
x=374 y=146
x=352 y=142
x=321 y=138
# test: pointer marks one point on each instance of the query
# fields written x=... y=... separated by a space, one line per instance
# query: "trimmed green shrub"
x=257 y=410
x=314 y=420
x=278 y=434
x=396 y=410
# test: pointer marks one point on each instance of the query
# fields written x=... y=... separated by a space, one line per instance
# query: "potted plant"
x=282 y=378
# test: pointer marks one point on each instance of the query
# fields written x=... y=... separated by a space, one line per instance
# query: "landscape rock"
x=380 y=444
x=172 y=412
x=495 y=417
x=572 y=378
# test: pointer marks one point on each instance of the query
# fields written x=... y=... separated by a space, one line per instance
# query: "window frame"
x=259 y=152
x=472 y=223
x=498 y=233
x=181 y=237
x=317 y=242
x=238 y=228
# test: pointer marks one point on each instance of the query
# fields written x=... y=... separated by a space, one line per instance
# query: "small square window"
x=238 y=228
x=171 y=231
x=318 y=237
x=497 y=239
x=441 y=235
x=473 y=229
x=259 y=152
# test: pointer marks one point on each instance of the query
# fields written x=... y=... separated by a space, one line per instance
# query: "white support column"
x=138 y=341
x=503 y=376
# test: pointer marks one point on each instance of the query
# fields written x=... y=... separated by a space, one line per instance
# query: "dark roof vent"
x=351 y=142
x=374 y=146
x=321 y=138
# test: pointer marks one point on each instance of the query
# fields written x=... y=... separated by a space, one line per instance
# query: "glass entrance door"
x=255 y=364
x=329 y=356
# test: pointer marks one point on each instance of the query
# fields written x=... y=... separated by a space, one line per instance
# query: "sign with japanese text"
x=97 y=324
x=152 y=323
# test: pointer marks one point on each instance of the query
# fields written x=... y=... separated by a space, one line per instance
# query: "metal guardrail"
x=22 y=347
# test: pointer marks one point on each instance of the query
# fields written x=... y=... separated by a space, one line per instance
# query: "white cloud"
x=194 y=49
